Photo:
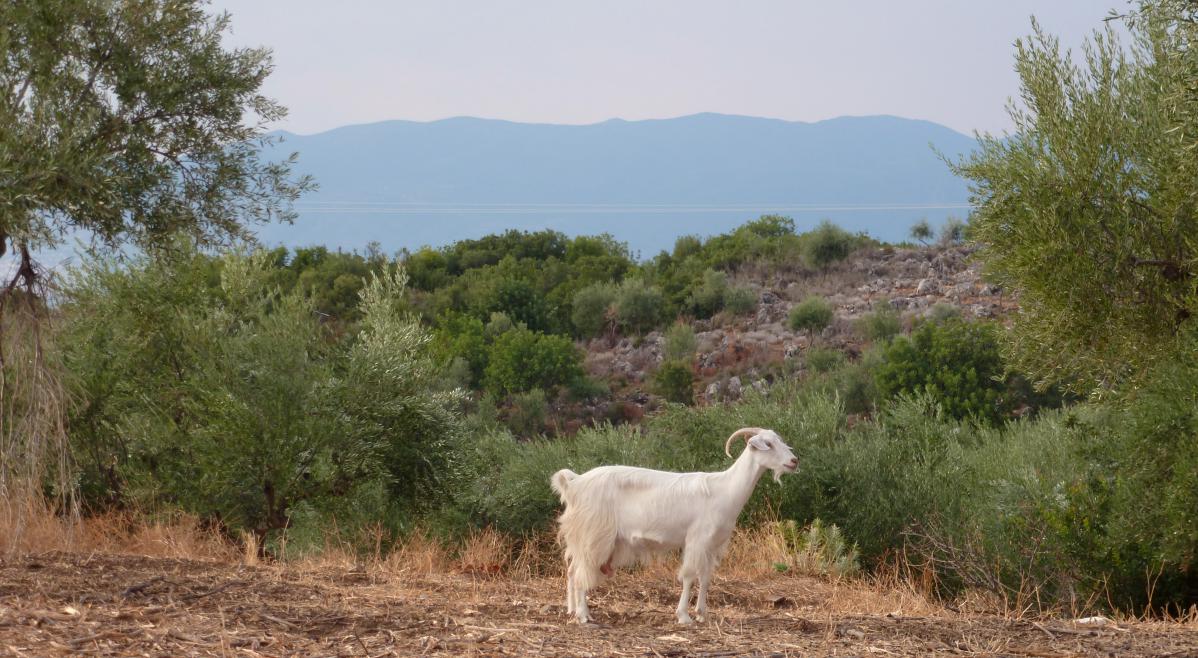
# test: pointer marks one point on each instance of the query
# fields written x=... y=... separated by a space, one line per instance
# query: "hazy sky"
x=582 y=61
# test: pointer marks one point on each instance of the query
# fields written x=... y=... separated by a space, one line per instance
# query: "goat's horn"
x=749 y=431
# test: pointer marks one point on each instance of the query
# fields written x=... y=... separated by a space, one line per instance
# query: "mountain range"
x=407 y=183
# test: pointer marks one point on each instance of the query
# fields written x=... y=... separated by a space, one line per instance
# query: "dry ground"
x=128 y=605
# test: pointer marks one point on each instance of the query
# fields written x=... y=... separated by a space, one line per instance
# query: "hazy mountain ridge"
x=702 y=160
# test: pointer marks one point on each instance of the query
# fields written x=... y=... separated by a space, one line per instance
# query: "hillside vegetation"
x=1011 y=408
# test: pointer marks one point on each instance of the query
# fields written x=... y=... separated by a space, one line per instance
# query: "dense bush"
x=707 y=298
x=590 y=309
x=828 y=244
x=460 y=336
x=824 y=359
x=234 y=404
x=638 y=307
x=881 y=325
x=812 y=314
x=679 y=342
x=518 y=300
x=740 y=301
x=675 y=381
x=955 y=362
x=520 y=360
x=331 y=278
x=528 y=413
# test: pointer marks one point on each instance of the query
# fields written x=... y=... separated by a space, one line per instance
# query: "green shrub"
x=856 y=385
x=520 y=301
x=955 y=362
x=707 y=298
x=520 y=360
x=590 y=309
x=528 y=413
x=680 y=342
x=819 y=550
x=235 y=405
x=740 y=301
x=827 y=244
x=675 y=381
x=881 y=325
x=638 y=306
x=941 y=312
x=812 y=314
x=460 y=336
x=588 y=388
x=824 y=360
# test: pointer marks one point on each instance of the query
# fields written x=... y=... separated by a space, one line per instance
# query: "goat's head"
x=766 y=448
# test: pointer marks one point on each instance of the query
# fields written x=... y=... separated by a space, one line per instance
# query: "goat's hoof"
x=685 y=621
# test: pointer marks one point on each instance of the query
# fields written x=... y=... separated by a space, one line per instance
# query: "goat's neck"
x=741 y=478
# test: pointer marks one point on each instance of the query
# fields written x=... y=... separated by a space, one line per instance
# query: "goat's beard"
x=777 y=475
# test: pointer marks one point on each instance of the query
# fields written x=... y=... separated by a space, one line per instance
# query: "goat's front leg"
x=684 y=601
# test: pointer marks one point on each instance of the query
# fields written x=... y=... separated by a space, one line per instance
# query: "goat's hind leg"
x=701 y=601
x=576 y=595
x=569 y=589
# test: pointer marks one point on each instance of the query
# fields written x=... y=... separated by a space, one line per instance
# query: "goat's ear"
x=759 y=443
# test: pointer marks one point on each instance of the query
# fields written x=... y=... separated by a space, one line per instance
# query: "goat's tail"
x=560 y=482
x=587 y=527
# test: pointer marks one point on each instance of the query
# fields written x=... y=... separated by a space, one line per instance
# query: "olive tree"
x=1088 y=211
x=131 y=121
x=126 y=122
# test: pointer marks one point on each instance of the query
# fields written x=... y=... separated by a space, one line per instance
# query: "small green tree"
x=675 y=381
x=952 y=233
x=638 y=306
x=707 y=298
x=827 y=244
x=812 y=314
x=922 y=231
x=680 y=342
x=740 y=301
x=590 y=309
x=519 y=300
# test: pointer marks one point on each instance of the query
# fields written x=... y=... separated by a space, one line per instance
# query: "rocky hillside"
x=755 y=350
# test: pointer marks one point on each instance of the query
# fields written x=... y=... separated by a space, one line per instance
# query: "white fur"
x=616 y=515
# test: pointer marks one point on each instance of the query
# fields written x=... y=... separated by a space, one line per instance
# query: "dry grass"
x=174 y=536
x=127 y=587
x=66 y=604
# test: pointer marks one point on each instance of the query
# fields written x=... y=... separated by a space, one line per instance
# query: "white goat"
x=616 y=515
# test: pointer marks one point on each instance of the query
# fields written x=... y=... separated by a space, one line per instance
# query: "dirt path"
x=107 y=605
